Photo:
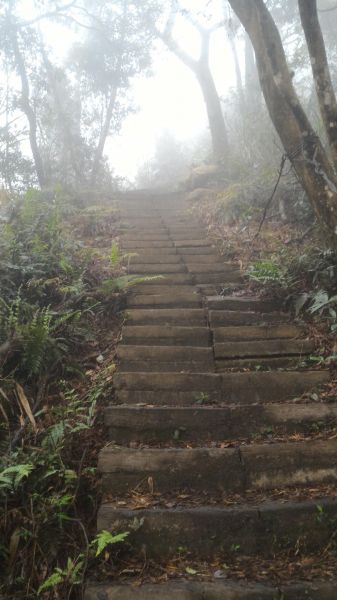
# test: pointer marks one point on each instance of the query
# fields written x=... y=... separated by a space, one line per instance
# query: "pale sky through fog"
x=169 y=100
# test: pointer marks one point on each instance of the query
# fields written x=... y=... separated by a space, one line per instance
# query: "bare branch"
x=49 y=14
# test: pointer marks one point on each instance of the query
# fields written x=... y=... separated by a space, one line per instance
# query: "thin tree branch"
x=49 y=14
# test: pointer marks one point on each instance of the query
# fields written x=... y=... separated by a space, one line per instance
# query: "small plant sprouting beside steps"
x=73 y=573
x=268 y=272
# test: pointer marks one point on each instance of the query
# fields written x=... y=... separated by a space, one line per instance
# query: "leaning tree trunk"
x=238 y=76
x=103 y=137
x=301 y=143
x=63 y=118
x=214 y=112
x=321 y=72
x=252 y=85
x=27 y=108
x=203 y=73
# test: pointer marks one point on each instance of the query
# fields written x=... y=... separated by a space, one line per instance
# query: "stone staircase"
x=196 y=370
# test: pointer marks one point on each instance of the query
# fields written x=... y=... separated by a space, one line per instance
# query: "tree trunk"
x=214 y=112
x=302 y=145
x=27 y=109
x=238 y=77
x=62 y=116
x=252 y=85
x=205 y=78
x=102 y=138
x=321 y=72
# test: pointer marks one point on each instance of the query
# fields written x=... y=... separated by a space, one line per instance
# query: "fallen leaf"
x=191 y=571
x=25 y=405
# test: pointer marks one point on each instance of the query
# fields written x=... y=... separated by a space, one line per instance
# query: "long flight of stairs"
x=196 y=370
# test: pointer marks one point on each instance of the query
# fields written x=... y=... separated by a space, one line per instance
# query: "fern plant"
x=123 y=283
x=268 y=272
x=116 y=258
x=36 y=340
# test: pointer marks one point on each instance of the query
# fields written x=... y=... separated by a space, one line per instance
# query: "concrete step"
x=131 y=221
x=188 y=228
x=232 y=388
x=181 y=300
x=259 y=363
x=162 y=288
x=197 y=251
x=239 y=303
x=229 y=470
x=171 y=316
x=154 y=258
x=260 y=348
x=202 y=424
x=171 y=279
x=257 y=332
x=241 y=318
x=222 y=279
x=206 y=288
x=149 y=366
x=124 y=229
x=214 y=267
x=136 y=245
x=221 y=590
x=168 y=335
x=165 y=353
x=192 y=259
x=161 y=253
x=190 y=234
x=139 y=236
x=192 y=243
x=150 y=269
x=209 y=531
x=180 y=220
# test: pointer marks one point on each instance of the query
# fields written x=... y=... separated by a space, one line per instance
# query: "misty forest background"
x=262 y=176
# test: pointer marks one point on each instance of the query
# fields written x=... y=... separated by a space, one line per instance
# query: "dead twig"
x=266 y=208
x=301 y=238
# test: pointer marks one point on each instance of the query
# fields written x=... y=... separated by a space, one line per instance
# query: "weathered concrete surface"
x=199 y=423
x=263 y=348
x=226 y=469
x=167 y=335
x=242 y=318
x=207 y=531
x=231 y=385
x=256 y=332
x=181 y=299
x=169 y=316
x=169 y=392
x=196 y=590
x=157 y=269
x=245 y=304
x=165 y=353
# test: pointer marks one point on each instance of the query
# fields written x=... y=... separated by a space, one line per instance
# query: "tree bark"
x=27 y=108
x=301 y=143
x=321 y=71
x=214 y=112
x=206 y=81
x=238 y=76
x=103 y=136
x=252 y=85
x=62 y=116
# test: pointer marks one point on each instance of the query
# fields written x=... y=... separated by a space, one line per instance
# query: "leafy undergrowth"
x=58 y=328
